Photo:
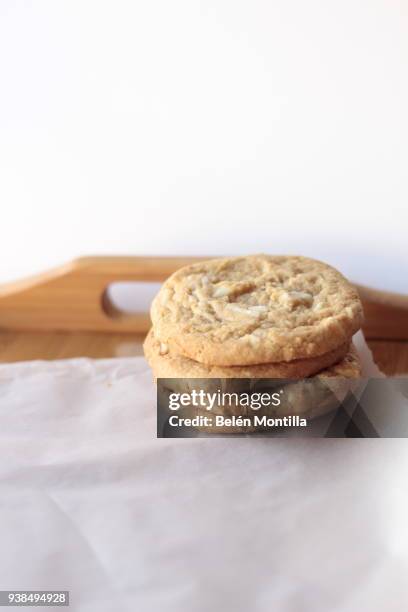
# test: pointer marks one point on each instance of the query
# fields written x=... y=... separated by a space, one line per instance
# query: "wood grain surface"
x=391 y=356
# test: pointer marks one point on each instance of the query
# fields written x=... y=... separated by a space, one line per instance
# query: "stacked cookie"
x=254 y=317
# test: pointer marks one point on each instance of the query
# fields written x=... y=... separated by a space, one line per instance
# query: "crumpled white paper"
x=93 y=502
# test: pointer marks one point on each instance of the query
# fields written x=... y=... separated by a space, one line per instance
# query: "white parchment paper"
x=92 y=502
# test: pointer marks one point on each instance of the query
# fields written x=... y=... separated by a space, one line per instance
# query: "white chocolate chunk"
x=258 y=309
x=220 y=291
x=247 y=312
x=253 y=340
x=301 y=297
x=164 y=348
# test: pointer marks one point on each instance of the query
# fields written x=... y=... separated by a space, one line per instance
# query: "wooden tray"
x=73 y=299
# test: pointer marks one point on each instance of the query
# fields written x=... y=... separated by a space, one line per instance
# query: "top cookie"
x=255 y=309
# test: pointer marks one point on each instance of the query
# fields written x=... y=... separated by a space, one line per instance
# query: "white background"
x=185 y=127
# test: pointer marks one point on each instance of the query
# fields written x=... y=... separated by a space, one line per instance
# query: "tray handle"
x=73 y=297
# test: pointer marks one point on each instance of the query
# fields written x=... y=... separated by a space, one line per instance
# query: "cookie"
x=254 y=310
x=307 y=398
x=166 y=365
x=324 y=392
